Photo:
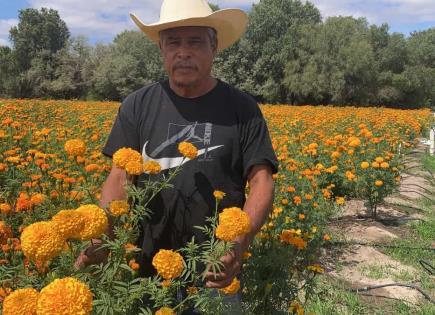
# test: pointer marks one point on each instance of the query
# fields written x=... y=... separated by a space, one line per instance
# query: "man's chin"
x=185 y=83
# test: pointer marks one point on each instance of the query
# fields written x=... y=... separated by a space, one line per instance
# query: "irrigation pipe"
x=396 y=284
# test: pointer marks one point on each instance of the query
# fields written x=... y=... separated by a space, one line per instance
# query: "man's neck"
x=194 y=91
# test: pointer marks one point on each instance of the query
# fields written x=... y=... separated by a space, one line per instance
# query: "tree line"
x=287 y=55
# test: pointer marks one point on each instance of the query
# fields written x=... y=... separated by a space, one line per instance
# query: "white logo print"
x=170 y=162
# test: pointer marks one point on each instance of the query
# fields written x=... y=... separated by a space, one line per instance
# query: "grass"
x=428 y=162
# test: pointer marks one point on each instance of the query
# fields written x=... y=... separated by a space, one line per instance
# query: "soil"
x=357 y=264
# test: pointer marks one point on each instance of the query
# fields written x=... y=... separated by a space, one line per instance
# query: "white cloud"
x=5 y=26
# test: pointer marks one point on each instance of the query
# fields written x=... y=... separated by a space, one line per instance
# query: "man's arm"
x=258 y=206
x=113 y=189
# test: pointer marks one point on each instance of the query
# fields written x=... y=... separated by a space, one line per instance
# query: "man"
x=225 y=125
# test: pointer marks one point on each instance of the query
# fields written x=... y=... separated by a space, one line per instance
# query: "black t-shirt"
x=227 y=127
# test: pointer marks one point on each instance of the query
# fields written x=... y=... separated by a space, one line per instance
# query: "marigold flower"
x=385 y=165
x=379 y=183
x=92 y=168
x=365 y=165
x=37 y=199
x=96 y=222
x=169 y=264
x=188 y=150
x=340 y=200
x=296 y=308
x=21 y=302
x=151 y=167
x=316 y=268
x=41 y=241
x=233 y=222
x=354 y=142
x=165 y=311
x=126 y=155
x=67 y=296
x=297 y=200
x=219 y=195
x=133 y=264
x=134 y=167
x=75 y=147
x=5 y=208
x=233 y=288
x=287 y=236
x=119 y=207
x=69 y=223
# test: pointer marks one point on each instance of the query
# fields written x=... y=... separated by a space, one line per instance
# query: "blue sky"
x=101 y=20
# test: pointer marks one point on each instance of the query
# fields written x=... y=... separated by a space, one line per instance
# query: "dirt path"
x=362 y=265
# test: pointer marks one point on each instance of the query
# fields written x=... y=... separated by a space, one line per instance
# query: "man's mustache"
x=185 y=65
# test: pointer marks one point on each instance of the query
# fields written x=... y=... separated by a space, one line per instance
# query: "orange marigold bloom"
x=41 y=241
x=165 y=311
x=151 y=167
x=168 y=263
x=134 y=167
x=96 y=222
x=119 y=207
x=69 y=223
x=233 y=288
x=75 y=147
x=188 y=150
x=5 y=208
x=219 y=195
x=297 y=200
x=126 y=155
x=21 y=302
x=233 y=222
x=67 y=296
x=379 y=183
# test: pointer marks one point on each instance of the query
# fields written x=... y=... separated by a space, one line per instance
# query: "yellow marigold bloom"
x=69 y=223
x=119 y=207
x=41 y=241
x=365 y=165
x=165 y=311
x=219 y=195
x=151 y=167
x=335 y=154
x=96 y=222
x=134 y=167
x=379 y=159
x=21 y=302
x=385 y=165
x=233 y=288
x=233 y=222
x=188 y=150
x=379 y=183
x=67 y=296
x=375 y=164
x=125 y=155
x=169 y=264
x=75 y=147
x=340 y=200
x=316 y=268
x=354 y=142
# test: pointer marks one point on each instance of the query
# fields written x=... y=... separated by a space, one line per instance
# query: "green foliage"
x=287 y=55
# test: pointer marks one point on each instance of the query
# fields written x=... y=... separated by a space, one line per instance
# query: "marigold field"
x=52 y=168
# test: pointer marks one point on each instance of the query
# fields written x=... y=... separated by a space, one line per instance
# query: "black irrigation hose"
x=427 y=266
x=378 y=245
x=396 y=284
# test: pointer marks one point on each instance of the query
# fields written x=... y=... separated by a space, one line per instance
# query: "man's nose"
x=184 y=50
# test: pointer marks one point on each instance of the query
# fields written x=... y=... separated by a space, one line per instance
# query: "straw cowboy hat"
x=229 y=24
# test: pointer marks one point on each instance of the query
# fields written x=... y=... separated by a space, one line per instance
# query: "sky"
x=101 y=20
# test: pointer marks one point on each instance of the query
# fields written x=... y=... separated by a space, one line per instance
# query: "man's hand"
x=232 y=264
x=92 y=255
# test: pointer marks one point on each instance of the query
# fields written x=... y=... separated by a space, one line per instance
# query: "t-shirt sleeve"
x=256 y=144
x=124 y=131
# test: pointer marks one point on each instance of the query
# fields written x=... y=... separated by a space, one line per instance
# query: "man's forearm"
x=258 y=203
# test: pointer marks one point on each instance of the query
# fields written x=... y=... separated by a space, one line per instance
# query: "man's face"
x=187 y=54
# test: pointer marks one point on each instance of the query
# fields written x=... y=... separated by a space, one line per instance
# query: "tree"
x=37 y=31
x=8 y=72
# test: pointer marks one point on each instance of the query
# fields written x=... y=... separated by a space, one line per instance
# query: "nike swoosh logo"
x=171 y=162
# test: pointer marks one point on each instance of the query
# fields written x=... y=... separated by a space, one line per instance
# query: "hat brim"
x=230 y=24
